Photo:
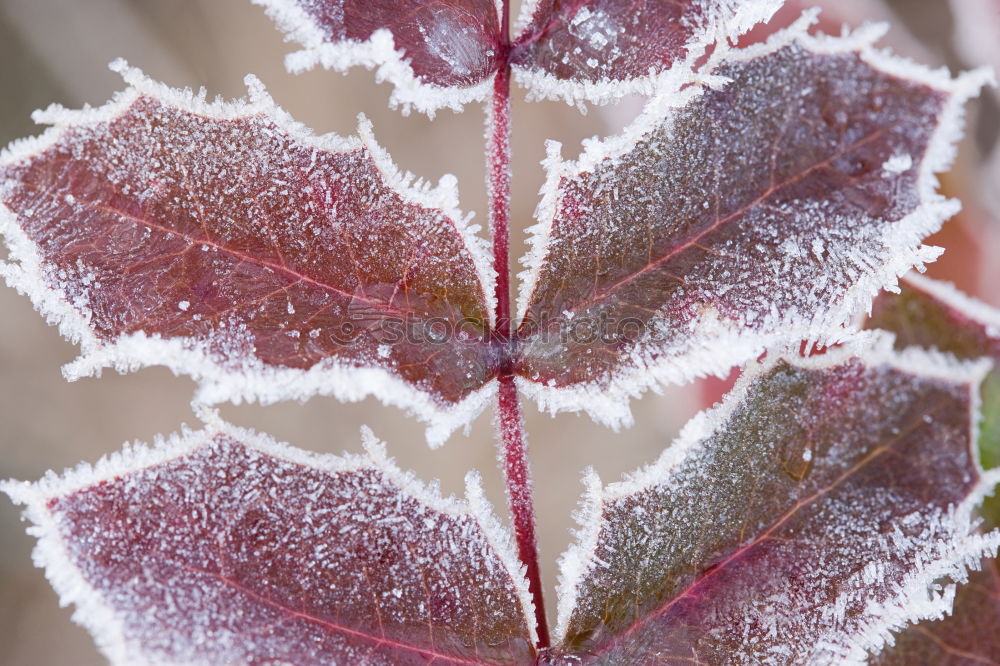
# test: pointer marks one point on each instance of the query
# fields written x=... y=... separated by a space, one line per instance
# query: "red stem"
x=510 y=424
x=499 y=187
x=519 y=495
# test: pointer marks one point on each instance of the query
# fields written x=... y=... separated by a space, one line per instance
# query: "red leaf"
x=229 y=244
x=966 y=637
x=725 y=222
x=436 y=53
x=933 y=314
x=811 y=513
x=222 y=546
x=601 y=50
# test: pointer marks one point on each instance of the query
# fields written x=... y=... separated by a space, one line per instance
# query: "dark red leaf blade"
x=222 y=546
x=966 y=637
x=602 y=50
x=932 y=314
x=801 y=521
x=437 y=53
x=726 y=222
x=228 y=243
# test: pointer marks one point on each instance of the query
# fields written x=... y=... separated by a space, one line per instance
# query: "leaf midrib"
x=791 y=513
x=250 y=259
x=718 y=223
x=332 y=626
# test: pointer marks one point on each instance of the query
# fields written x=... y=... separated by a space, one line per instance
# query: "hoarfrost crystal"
x=281 y=274
x=223 y=546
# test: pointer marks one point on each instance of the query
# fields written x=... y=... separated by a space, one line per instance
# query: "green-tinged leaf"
x=801 y=521
x=927 y=313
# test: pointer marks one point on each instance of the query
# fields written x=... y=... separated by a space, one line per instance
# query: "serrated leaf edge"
x=377 y=53
x=107 y=629
x=950 y=295
x=919 y=598
x=608 y=403
x=252 y=381
x=544 y=86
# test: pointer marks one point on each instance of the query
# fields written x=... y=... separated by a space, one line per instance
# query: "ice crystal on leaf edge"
x=725 y=21
x=926 y=594
x=609 y=404
x=108 y=626
x=378 y=52
x=720 y=28
x=25 y=272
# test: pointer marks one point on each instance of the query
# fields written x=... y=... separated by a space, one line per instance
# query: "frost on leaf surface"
x=437 y=53
x=600 y=50
x=966 y=637
x=223 y=547
x=932 y=314
x=799 y=522
x=762 y=213
x=227 y=242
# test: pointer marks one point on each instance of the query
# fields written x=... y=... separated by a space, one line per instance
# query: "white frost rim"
x=608 y=403
x=252 y=382
x=875 y=349
x=378 y=52
x=948 y=294
x=107 y=627
x=727 y=20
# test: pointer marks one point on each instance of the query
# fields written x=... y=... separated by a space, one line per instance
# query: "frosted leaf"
x=437 y=53
x=932 y=314
x=964 y=637
x=799 y=522
x=228 y=243
x=935 y=315
x=601 y=50
x=727 y=221
x=223 y=547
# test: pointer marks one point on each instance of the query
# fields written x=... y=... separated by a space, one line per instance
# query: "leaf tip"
x=257 y=91
x=18 y=491
x=553 y=152
x=374 y=447
x=133 y=76
x=974 y=80
x=807 y=19
x=474 y=493
x=208 y=415
x=867 y=33
x=119 y=66
x=436 y=435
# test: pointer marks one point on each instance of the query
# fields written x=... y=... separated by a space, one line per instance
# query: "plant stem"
x=498 y=137
x=519 y=495
x=510 y=425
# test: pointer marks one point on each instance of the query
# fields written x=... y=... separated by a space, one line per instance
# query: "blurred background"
x=57 y=51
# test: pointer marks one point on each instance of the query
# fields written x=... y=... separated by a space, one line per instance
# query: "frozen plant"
x=829 y=510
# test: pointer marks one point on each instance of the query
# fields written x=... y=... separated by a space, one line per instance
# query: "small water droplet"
x=798 y=458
